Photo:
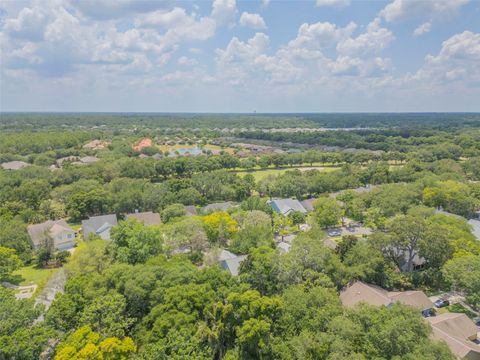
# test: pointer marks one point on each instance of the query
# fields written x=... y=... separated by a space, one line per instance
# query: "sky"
x=240 y=56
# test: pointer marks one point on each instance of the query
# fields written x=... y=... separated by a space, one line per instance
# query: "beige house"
x=459 y=332
x=359 y=292
x=148 y=218
x=456 y=330
x=62 y=235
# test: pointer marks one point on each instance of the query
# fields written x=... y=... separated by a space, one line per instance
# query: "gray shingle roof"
x=233 y=265
x=97 y=224
x=221 y=206
x=285 y=206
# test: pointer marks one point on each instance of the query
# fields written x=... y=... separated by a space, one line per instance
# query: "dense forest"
x=158 y=292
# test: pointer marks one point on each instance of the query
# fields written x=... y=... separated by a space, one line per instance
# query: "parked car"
x=428 y=312
x=334 y=232
x=440 y=303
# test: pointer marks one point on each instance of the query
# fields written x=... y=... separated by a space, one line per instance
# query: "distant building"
x=89 y=160
x=14 y=165
x=63 y=236
x=221 y=206
x=283 y=247
x=143 y=143
x=96 y=145
x=99 y=225
x=60 y=161
x=148 y=218
x=286 y=206
x=191 y=210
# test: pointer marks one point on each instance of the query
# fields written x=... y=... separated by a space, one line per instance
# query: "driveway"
x=55 y=284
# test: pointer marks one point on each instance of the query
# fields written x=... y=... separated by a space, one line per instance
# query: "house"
x=66 y=159
x=283 y=247
x=226 y=255
x=475 y=227
x=14 y=165
x=233 y=264
x=148 y=218
x=96 y=145
x=58 y=230
x=99 y=225
x=143 y=143
x=359 y=292
x=190 y=210
x=458 y=332
x=222 y=206
x=89 y=160
x=286 y=206
x=308 y=204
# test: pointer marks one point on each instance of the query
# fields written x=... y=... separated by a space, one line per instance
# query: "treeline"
x=440 y=144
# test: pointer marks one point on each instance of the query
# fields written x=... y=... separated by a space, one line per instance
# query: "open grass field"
x=260 y=174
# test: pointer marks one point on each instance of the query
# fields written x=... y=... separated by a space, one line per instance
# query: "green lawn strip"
x=263 y=173
x=459 y=308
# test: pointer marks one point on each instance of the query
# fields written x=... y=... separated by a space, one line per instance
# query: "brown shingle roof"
x=457 y=330
x=14 y=165
x=360 y=292
x=374 y=295
x=148 y=218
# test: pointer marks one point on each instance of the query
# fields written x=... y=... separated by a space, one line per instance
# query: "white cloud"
x=456 y=61
x=29 y=24
x=111 y=9
x=333 y=3
x=321 y=35
x=373 y=40
x=399 y=10
x=422 y=29
x=224 y=11
x=185 y=61
x=254 y=21
x=265 y=3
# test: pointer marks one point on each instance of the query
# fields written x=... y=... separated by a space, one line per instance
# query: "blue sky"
x=240 y=56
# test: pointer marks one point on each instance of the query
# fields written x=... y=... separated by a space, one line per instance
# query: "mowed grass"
x=32 y=275
x=170 y=148
x=260 y=174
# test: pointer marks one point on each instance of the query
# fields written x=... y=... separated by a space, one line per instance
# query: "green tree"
x=133 y=242
x=173 y=211
x=107 y=315
x=463 y=273
x=255 y=229
x=9 y=262
x=327 y=212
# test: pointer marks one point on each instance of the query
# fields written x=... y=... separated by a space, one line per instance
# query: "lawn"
x=32 y=275
x=169 y=148
x=263 y=173
x=459 y=308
